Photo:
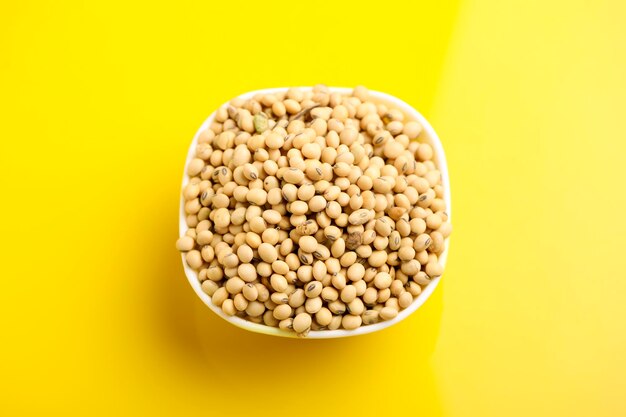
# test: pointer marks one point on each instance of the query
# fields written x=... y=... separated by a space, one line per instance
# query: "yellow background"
x=99 y=102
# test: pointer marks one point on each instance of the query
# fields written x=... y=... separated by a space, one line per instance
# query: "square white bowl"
x=427 y=135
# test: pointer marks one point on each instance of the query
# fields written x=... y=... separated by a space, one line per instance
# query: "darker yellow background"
x=99 y=102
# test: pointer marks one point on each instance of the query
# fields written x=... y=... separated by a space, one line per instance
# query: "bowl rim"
x=440 y=158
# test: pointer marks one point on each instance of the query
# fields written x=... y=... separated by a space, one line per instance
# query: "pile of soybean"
x=313 y=210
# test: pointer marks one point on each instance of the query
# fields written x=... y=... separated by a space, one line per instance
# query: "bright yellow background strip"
x=99 y=102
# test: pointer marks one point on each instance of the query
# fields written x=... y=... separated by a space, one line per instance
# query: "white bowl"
x=428 y=135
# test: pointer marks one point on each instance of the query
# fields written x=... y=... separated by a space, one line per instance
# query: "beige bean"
x=221 y=218
x=356 y=306
x=313 y=305
x=240 y=302
x=405 y=299
x=335 y=323
x=434 y=269
x=297 y=298
x=278 y=282
x=377 y=258
x=292 y=106
x=308 y=244
x=337 y=307
x=255 y=309
x=302 y=323
x=355 y=272
x=219 y=296
x=422 y=242
x=234 y=285
x=209 y=287
x=351 y=322
x=348 y=293
x=247 y=272
x=382 y=280
x=360 y=216
x=437 y=243
x=323 y=316
x=313 y=289
x=194 y=259
x=250 y=292
x=329 y=294
x=286 y=324
x=268 y=252
x=282 y=312
x=388 y=313
x=185 y=243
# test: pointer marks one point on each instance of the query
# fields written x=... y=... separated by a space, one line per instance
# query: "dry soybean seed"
x=302 y=323
x=185 y=244
x=445 y=229
x=337 y=307
x=255 y=309
x=388 y=313
x=437 y=244
x=433 y=221
x=250 y=292
x=194 y=259
x=382 y=280
x=360 y=216
x=397 y=286
x=313 y=305
x=240 y=302
x=348 y=293
x=406 y=253
x=313 y=289
x=264 y=293
x=321 y=252
x=356 y=272
x=282 y=312
x=370 y=317
x=228 y=306
x=230 y=261
x=329 y=294
x=279 y=298
x=307 y=228
x=219 y=296
x=356 y=306
x=278 y=282
x=338 y=281
x=269 y=320
x=393 y=303
x=247 y=272
x=308 y=244
x=317 y=204
x=293 y=176
x=234 y=285
x=405 y=299
x=377 y=258
x=422 y=242
x=286 y=324
x=335 y=323
x=268 y=252
x=245 y=253
x=209 y=287
x=280 y=267
x=351 y=322
x=271 y=236
x=434 y=269
x=370 y=296
x=297 y=298
x=323 y=316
